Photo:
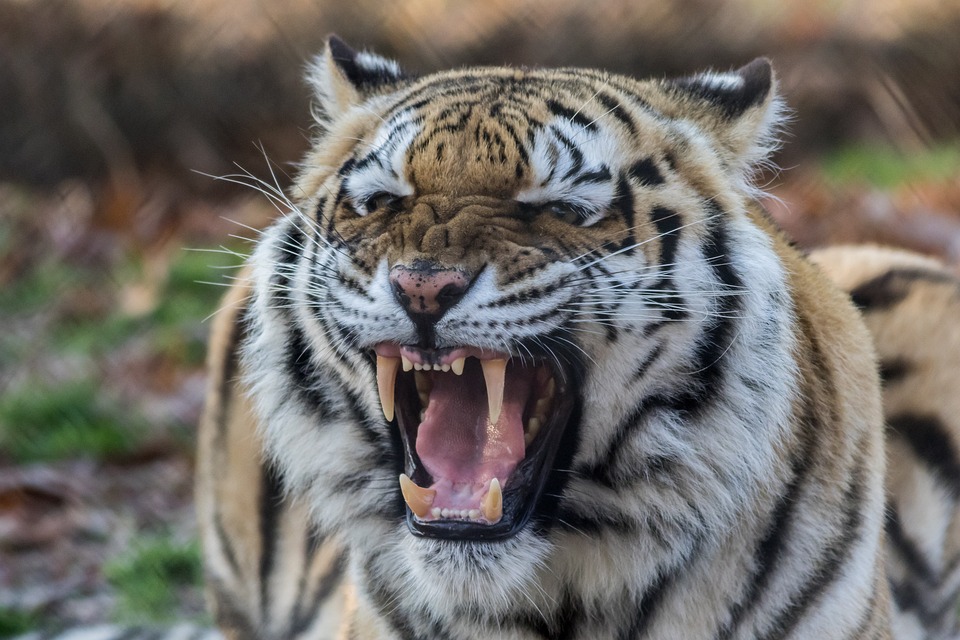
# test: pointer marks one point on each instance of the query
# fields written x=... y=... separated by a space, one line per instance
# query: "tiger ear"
x=342 y=77
x=740 y=108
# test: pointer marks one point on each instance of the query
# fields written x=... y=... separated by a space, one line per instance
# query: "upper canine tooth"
x=492 y=505
x=386 y=381
x=457 y=365
x=417 y=498
x=494 y=372
x=407 y=363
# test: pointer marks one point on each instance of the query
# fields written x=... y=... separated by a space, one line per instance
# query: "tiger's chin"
x=480 y=432
x=485 y=575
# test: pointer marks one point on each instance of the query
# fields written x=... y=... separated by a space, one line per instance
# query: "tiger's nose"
x=426 y=291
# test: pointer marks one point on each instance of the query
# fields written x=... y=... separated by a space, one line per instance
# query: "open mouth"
x=480 y=431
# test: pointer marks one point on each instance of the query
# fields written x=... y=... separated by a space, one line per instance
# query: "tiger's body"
x=681 y=435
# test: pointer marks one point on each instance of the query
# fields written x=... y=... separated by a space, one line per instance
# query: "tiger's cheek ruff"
x=310 y=400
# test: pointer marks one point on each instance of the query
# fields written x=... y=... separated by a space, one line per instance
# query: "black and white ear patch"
x=364 y=70
x=733 y=92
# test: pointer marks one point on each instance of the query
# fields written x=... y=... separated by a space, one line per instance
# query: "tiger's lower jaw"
x=475 y=463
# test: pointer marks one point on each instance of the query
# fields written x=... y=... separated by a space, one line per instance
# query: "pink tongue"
x=454 y=441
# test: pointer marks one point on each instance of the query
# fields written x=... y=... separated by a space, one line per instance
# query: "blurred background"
x=113 y=236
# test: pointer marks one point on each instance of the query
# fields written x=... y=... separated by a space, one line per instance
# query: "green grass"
x=885 y=167
x=37 y=288
x=14 y=622
x=147 y=578
x=189 y=299
x=40 y=422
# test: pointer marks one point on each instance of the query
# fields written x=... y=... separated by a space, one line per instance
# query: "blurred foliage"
x=41 y=422
x=887 y=168
x=149 y=577
x=14 y=622
x=115 y=91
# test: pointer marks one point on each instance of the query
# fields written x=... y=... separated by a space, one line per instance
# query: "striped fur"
x=911 y=305
x=721 y=475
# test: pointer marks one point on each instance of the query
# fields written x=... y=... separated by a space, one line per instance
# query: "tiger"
x=910 y=304
x=524 y=357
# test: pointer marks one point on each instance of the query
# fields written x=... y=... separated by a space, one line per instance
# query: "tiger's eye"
x=563 y=211
x=381 y=200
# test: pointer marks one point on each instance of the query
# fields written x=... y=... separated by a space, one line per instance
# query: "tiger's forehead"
x=502 y=133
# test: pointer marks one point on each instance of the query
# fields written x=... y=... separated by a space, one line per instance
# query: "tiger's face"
x=486 y=269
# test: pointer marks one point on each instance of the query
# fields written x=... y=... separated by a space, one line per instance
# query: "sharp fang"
x=492 y=506
x=407 y=363
x=493 y=374
x=417 y=498
x=457 y=365
x=386 y=381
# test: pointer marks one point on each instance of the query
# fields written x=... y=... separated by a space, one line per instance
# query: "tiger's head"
x=486 y=273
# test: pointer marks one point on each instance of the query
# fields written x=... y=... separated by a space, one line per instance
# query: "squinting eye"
x=565 y=212
x=381 y=200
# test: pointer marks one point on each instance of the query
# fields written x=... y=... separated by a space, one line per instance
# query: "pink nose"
x=424 y=290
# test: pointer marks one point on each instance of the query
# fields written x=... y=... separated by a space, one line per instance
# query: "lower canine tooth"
x=417 y=498
x=533 y=427
x=386 y=381
x=492 y=505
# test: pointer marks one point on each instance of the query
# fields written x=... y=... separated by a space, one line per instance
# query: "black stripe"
x=893 y=370
x=623 y=202
x=227 y=544
x=928 y=438
x=890 y=288
x=600 y=175
x=331 y=579
x=238 y=335
x=646 y=607
x=387 y=601
x=668 y=224
x=836 y=555
x=646 y=173
x=596 y=523
x=644 y=366
x=569 y=114
x=721 y=333
x=346 y=167
x=770 y=549
x=615 y=108
x=910 y=597
x=228 y=613
x=573 y=150
x=906 y=548
x=271 y=503
x=302 y=372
